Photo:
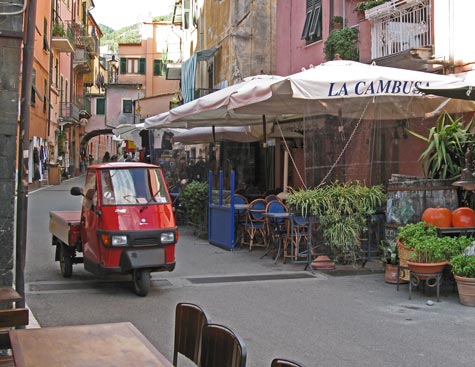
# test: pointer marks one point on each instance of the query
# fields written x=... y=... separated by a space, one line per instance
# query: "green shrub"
x=195 y=199
x=463 y=266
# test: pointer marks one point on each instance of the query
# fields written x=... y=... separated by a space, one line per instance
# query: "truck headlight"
x=167 y=237
x=119 y=240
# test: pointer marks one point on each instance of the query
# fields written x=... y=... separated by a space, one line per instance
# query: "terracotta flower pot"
x=466 y=289
x=390 y=273
x=427 y=268
x=404 y=255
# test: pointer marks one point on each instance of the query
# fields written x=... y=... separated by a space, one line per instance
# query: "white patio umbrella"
x=212 y=109
x=198 y=135
x=459 y=89
x=350 y=89
x=342 y=88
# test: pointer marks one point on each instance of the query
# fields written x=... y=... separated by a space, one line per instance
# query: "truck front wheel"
x=141 y=280
x=65 y=261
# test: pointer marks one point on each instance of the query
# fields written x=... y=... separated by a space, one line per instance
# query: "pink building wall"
x=292 y=52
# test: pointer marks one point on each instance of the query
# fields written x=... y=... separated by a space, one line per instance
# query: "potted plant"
x=407 y=238
x=463 y=267
x=447 y=144
x=337 y=22
x=343 y=42
x=58 y=29
x=390 y=261
x=342 y=210
x=368 y=4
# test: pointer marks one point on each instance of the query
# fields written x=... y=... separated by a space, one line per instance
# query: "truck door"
x=89 y=219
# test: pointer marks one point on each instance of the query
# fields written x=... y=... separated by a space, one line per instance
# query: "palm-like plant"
x=447 y=143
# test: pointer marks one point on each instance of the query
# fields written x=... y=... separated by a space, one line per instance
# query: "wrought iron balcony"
x=62 y=38
x=74 y=113
x=399 y=26
x=82 y=38
x=82 y=61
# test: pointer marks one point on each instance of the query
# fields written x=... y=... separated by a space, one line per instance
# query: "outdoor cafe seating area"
x=268 y=223
x=196 y=338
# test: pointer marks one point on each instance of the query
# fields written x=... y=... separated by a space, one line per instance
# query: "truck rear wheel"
x=65 y=261
x=141 y=280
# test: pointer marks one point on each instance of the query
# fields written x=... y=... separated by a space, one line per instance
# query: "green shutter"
x=123 y=65
x=142 y=66
x=100 y=106
x=157 y=67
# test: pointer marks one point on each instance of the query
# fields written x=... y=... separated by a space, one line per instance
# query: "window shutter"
x=100 y=106
x=157 y=67
x=314 y=26
x=123 y=65
x=142 y=66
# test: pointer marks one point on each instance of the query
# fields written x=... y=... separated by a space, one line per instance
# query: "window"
x=132 y=187
x=158 y=67
x=100 y=106
x=56 y=73
x=45 y=93
x=33 y=87
x=45 y=35
x=312 y=29
x=132 y=65
x=127 y=106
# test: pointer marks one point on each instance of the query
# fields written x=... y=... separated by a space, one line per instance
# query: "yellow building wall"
x=245 y=32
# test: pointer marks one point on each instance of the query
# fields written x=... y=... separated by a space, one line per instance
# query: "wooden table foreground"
x=114 y=345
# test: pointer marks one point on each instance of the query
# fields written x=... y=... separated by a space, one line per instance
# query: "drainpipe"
x=451 y=36
x=23 y=147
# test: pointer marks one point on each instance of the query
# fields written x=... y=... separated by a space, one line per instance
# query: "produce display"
x=439 y=217
x=463 y=217
x=444 y=218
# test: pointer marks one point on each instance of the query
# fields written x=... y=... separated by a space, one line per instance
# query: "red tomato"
x=463 y=217
x=439 y=217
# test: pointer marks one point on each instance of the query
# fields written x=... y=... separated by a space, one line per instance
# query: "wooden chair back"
x=222 y=347
x=279 y=362
x=189 y=321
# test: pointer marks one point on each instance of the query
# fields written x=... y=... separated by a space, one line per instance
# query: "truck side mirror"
x=76 y=191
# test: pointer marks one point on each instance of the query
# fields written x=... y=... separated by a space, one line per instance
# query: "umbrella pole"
x=264 y=131
x=286 y=169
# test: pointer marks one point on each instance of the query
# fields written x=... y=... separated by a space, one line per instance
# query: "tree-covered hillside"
x=129 y=34
x=111 y=38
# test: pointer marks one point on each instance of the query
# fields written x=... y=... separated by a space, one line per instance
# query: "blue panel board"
x=220 y=230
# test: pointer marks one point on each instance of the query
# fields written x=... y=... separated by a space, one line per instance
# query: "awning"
x=205 y=55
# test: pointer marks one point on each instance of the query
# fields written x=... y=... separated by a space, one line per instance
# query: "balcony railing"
x=73 y=112
x=399 y=29
x=82 y=61
x=82 y=38
x=69 y=113
x=62 y=37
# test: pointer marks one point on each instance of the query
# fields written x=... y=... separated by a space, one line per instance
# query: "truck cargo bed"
x=60 y=223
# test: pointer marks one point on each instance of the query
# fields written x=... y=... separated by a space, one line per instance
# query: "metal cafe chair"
x=255 y=222
x=189 y=321
x=277 y=217
x=279 y=362
x=271 y=197
x=240 y=217
x=222 y=347
x=299 y=238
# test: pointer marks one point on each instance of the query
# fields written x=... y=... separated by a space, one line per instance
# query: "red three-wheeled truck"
x=126 y=224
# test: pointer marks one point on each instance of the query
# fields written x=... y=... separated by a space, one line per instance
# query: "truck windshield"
x=132 y=186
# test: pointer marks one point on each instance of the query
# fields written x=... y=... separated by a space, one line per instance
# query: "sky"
x=120 y=13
